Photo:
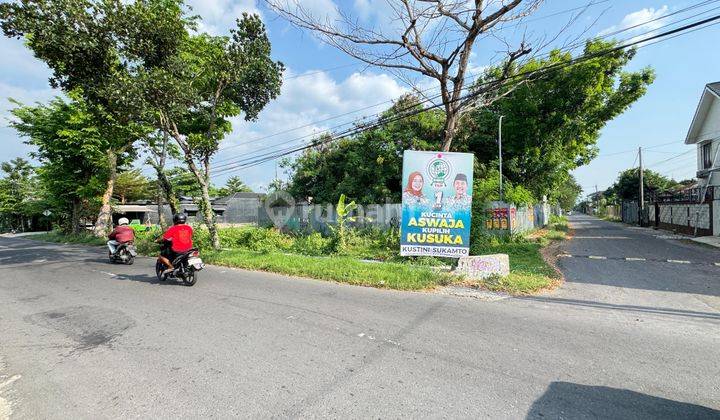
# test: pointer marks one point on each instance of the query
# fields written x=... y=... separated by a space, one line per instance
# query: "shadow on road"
x=574 y=401
x=626 y=308
x=19 y=253
x=147 y=278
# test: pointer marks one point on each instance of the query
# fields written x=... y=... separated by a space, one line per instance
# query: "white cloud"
x=636 y=20
x=218 y=16
x=314 y=96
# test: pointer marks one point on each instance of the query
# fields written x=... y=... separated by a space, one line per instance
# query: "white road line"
x=634 y=259
x=678 y=261
x=595 y=257
x=717 y=264
x=564 y=256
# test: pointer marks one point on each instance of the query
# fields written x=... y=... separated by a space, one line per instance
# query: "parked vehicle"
x=187 y=265
x=125 y=253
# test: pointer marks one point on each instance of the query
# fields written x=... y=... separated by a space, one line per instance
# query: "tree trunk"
x=203 y=177
x=161 y=214
x=451 y=118
x=103 y=219
x=167 y=189
x=75 y=217
x=209 y=216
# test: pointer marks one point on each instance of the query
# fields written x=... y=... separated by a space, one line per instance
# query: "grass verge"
x=529 y=272
x=531 y=266
x=67 y=238
x=341 y=269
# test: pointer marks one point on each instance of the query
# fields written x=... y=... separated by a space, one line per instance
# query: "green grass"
x=335 y=268
x=529 y=273
x=68 y=238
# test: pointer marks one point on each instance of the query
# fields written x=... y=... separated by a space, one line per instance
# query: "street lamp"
x=500 y=154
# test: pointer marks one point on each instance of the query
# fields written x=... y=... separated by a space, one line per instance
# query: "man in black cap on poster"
x=461 y=200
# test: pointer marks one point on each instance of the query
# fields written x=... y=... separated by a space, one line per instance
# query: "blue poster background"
x=437 y=204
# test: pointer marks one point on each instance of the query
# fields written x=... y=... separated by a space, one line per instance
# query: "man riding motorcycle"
x=179 y=236
x=120 y=235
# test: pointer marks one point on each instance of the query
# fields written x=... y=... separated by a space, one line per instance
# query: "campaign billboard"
x=436 y=204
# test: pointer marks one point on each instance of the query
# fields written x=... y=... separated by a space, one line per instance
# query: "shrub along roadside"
x=313 y=256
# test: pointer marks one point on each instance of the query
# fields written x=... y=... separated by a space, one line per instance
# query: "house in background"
x=239 y=208
x=705 y=133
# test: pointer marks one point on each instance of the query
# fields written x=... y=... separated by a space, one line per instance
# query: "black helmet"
x=179 y=219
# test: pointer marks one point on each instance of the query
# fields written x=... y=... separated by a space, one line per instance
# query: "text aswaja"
x=436 y=228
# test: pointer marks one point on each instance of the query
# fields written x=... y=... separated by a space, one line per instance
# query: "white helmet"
x=123 y=221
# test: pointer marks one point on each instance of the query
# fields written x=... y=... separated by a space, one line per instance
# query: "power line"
x=437 y=96
x=561 y=12
x=672 y=157
x=269 y=156
x=237 y=163
x=259 y=160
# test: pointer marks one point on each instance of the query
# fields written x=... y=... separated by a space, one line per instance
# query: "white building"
x=705 y=133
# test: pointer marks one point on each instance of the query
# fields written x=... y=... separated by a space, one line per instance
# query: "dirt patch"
x=550 y=255
x=89 y=326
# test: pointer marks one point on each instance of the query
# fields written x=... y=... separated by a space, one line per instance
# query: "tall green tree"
x=233 y=185
x=627 y=186
x=98 y=48
x=17 y=191
x=567 y=193
x=552 y=123
x=367 y=168
x=132 y=185
x=72 y=151
x=220 y=78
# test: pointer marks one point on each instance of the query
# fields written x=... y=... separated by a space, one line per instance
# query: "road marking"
x=678 y=261
x=596 y=257
x=716 y=264
x=634 y=259
x=564 y=256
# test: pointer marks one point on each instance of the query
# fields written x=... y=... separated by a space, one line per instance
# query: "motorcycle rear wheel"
x=159 y=268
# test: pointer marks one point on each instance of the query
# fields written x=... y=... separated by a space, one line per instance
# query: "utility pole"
x=597 y=200
x=642 y=189
x=500 y=154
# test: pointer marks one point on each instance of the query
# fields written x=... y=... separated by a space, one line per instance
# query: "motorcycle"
x=187 y=265
x=125 y=253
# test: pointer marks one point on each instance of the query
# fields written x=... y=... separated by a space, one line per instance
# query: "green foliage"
x=232 y=186
x=367 y=167
x=343 y=212
x=566 y=193
x=552 y=124
x=486 y=187
x=72 y=151
x=627 y=186
x=19 y=194
x=133 y=185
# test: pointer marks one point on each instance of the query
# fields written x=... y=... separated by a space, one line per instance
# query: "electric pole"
x=642 y=189
x=500 y=154
x=597 y=200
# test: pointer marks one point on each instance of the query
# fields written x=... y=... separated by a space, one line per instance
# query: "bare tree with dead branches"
x=426 y=38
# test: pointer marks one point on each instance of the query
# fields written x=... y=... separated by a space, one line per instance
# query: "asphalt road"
x=81 y=338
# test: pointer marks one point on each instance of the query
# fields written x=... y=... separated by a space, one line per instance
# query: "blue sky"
x=322 y=83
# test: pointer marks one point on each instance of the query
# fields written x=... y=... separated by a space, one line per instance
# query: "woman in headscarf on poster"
x=413 y=194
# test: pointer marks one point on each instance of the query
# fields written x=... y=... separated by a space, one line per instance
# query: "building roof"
x=710 y=94
x=125 y=208
x=715 y=87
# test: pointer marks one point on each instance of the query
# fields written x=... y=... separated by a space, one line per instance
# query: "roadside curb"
x=470 y=292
